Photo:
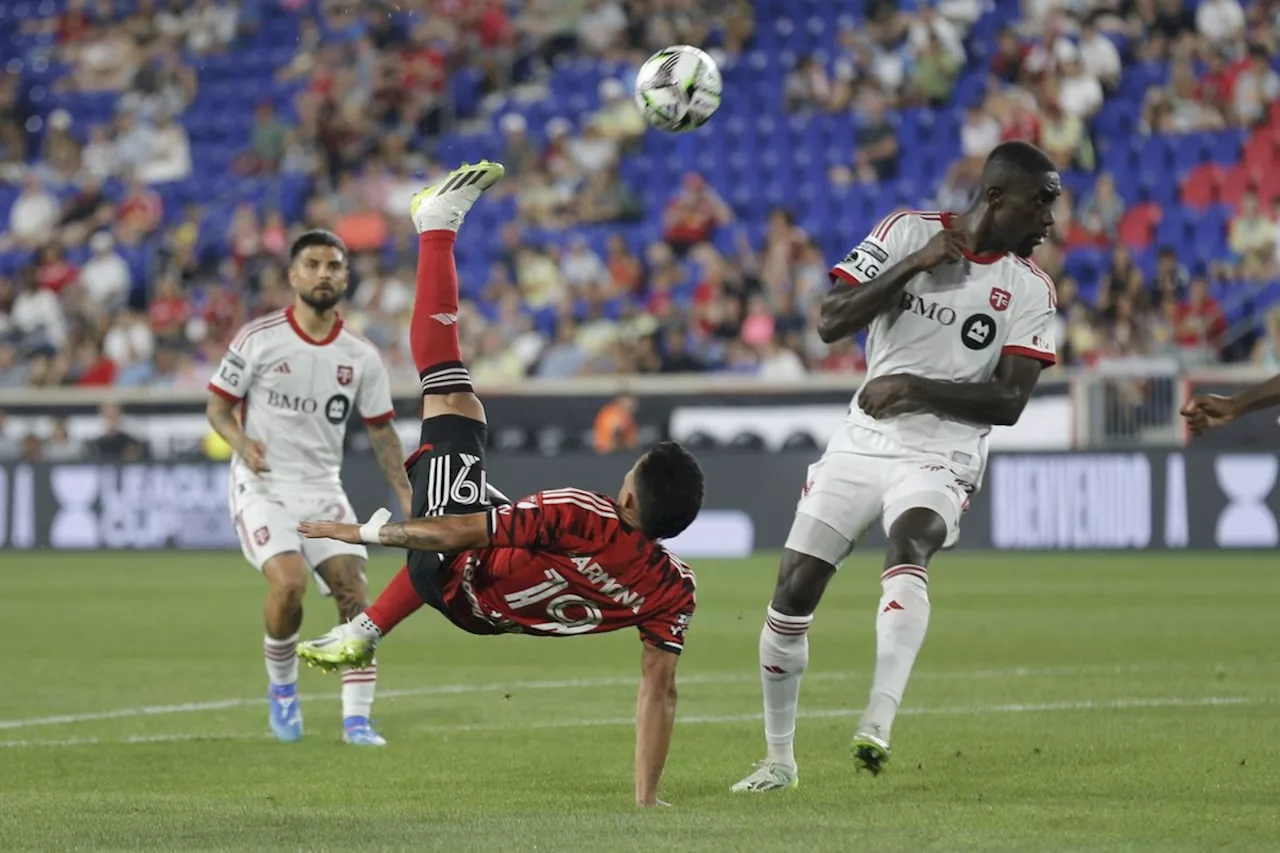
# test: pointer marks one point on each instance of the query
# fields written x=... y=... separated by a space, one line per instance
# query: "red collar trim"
x=297 y=330
x=987 y=258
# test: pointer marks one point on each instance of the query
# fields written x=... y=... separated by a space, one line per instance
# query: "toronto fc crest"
x=346 y=372
x=999 y=299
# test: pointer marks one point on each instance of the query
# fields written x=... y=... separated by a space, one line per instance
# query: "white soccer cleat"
x=344 y=647
x=870 y=748
x=443 y=206
x=768 y=776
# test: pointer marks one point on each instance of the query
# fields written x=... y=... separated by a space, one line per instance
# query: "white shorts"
x=863 y=475
x=267 y=526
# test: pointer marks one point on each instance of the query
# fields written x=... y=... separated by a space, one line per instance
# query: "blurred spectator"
x=877 y=152
x=1065 y=139
x=1079 y=92
x=1009 y=58
x=1172 y=278
x=1252 y=236
x=141 y=209
x=601 y=26
x=519 y=155
x=778 y=363
x=1256 y=86
x=52 y=269
x=1099 y=55
x=105 y=277
x=38 y=318
x=677 y=356
x=34 y=214
x=134 y=144
x=60 y=447
x=268 y=147
x=606 y=199
x=618 y=119
x=1102 y=209
x=106 y=59
x=170 y=153
x=935 y=72
x=807 y=86
x=99 y=156
x=564 y=357
x=116 y=445
x=615 y=427
x=694 y=214
x=1199 y=325
x=130 y=345
x=580 y=266
x=1219 y=20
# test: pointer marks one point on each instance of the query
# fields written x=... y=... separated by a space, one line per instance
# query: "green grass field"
x=1061 y=703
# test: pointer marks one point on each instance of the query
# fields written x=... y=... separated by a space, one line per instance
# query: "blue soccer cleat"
x=357 y=731
x=284 y=712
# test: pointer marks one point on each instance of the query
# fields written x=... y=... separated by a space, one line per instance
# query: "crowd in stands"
x=115 y=280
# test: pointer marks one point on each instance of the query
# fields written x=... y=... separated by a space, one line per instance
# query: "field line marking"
x=714 y=719
x=588 y=683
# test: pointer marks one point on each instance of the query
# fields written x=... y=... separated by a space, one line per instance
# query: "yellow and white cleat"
x=443 y=206
x=345 y=647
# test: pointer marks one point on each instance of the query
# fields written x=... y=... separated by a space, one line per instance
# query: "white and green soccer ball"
x=678 y=88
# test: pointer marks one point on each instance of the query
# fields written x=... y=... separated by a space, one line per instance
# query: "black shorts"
x=448 y=478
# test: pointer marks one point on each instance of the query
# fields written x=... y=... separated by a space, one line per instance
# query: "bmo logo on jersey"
x=912 y=304
x=335 y=409
x=978 y=332
x=305 y=405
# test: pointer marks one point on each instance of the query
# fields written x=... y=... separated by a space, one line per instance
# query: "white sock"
x=901 y=623
x=358 y=686
x=784 y=654
x=365 y=626
x=282 y=659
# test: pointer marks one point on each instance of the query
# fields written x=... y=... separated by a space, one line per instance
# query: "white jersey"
x=952 y=323
x=296 y=394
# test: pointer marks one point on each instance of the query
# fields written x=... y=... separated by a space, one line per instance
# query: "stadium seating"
x=1180 y=189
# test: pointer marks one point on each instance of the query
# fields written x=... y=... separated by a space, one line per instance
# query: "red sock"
x=433 y=330
x=395 y=603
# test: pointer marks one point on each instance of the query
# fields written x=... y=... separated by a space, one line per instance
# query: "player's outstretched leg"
x=447 y=471
x=784 y=656
x=352 y=644
x=902 y=620
x=438 y=212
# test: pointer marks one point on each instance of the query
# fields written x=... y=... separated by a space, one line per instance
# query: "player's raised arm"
x=655 y=719
x=872 y=276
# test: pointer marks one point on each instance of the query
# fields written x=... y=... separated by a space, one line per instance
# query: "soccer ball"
x=678 y=88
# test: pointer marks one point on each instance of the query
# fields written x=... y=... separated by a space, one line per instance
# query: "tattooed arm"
x=390 y=455
x=447 y=534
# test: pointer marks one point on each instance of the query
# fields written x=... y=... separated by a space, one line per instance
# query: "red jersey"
x=562 y=563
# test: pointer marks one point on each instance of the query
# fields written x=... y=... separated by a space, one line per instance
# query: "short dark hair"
x=669 y=486
x=1015 y=159
x=318 y=237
